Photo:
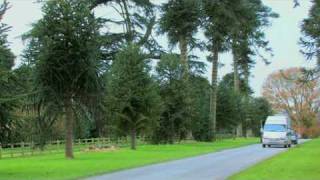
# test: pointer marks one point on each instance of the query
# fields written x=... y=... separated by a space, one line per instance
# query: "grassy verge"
x=54 y=166
x=301 y=162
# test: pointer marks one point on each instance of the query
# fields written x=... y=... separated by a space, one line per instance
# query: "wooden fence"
x=31 y=148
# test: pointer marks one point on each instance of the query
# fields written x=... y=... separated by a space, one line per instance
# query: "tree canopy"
x=311 y=33
x=67 y=67
x=84 y=76
x=136 y=102
x=286 y=92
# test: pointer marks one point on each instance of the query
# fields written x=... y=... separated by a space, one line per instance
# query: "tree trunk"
x=183 y=45
x=69 y=128
x=248 y=128
x=236 y=79
x=236 y=82
x=172 y=133
x=133 y=138
x=128 y=23
x=42 y=139
x=99 y=121
x=214 y=88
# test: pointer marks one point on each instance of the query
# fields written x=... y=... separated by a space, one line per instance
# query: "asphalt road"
x=214 y=166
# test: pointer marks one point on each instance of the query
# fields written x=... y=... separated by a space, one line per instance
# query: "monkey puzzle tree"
x=176 y=116
x=311 y=31
x=66 y=65
x=180 y=20
x=136 y=102
x=218 y=24
x=6 y=79
x=6 y=56
x=248 y=37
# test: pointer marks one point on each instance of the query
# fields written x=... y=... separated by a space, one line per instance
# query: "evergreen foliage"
x=80 y=78
x=311 y=31
x=66 y=67
x=136 y=102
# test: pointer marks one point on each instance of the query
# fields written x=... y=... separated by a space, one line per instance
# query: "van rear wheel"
x=263 y=145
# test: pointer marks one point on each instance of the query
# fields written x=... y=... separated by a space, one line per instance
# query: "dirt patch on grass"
x=101 y=148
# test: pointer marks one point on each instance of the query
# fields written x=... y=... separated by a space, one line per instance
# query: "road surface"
x=214 y=166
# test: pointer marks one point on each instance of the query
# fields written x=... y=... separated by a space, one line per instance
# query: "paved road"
x=214 y=166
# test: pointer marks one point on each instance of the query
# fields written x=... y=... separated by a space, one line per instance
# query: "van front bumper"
x=272 y=141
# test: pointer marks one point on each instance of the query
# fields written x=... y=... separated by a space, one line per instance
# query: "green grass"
x=54 y=166
x=299 y=163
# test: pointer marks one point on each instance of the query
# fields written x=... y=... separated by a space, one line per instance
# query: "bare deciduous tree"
x=286 y=92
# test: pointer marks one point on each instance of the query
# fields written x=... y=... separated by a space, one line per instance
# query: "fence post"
x=11 y=150
x=58 y=145
x=79 y=144
x=50 y=146
x=22 y=148
x=0 y=151
x=32 y=147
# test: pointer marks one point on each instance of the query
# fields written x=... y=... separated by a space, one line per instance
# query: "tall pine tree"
x=136 y=101
x=67 y=67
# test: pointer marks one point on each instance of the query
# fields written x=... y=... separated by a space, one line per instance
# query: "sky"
x=283 y=35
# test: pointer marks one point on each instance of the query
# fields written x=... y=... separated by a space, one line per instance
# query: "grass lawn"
x=54 y=166
x=299 y=163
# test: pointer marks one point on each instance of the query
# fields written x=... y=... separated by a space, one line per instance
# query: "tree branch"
x=148 y=33
x=96 y=3
x=3 y=8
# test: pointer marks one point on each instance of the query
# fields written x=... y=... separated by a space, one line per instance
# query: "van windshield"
x=275 y=127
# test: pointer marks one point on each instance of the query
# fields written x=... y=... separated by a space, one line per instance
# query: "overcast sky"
x=283 y=36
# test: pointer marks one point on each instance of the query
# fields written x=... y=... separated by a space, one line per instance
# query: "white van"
x=276 y=131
